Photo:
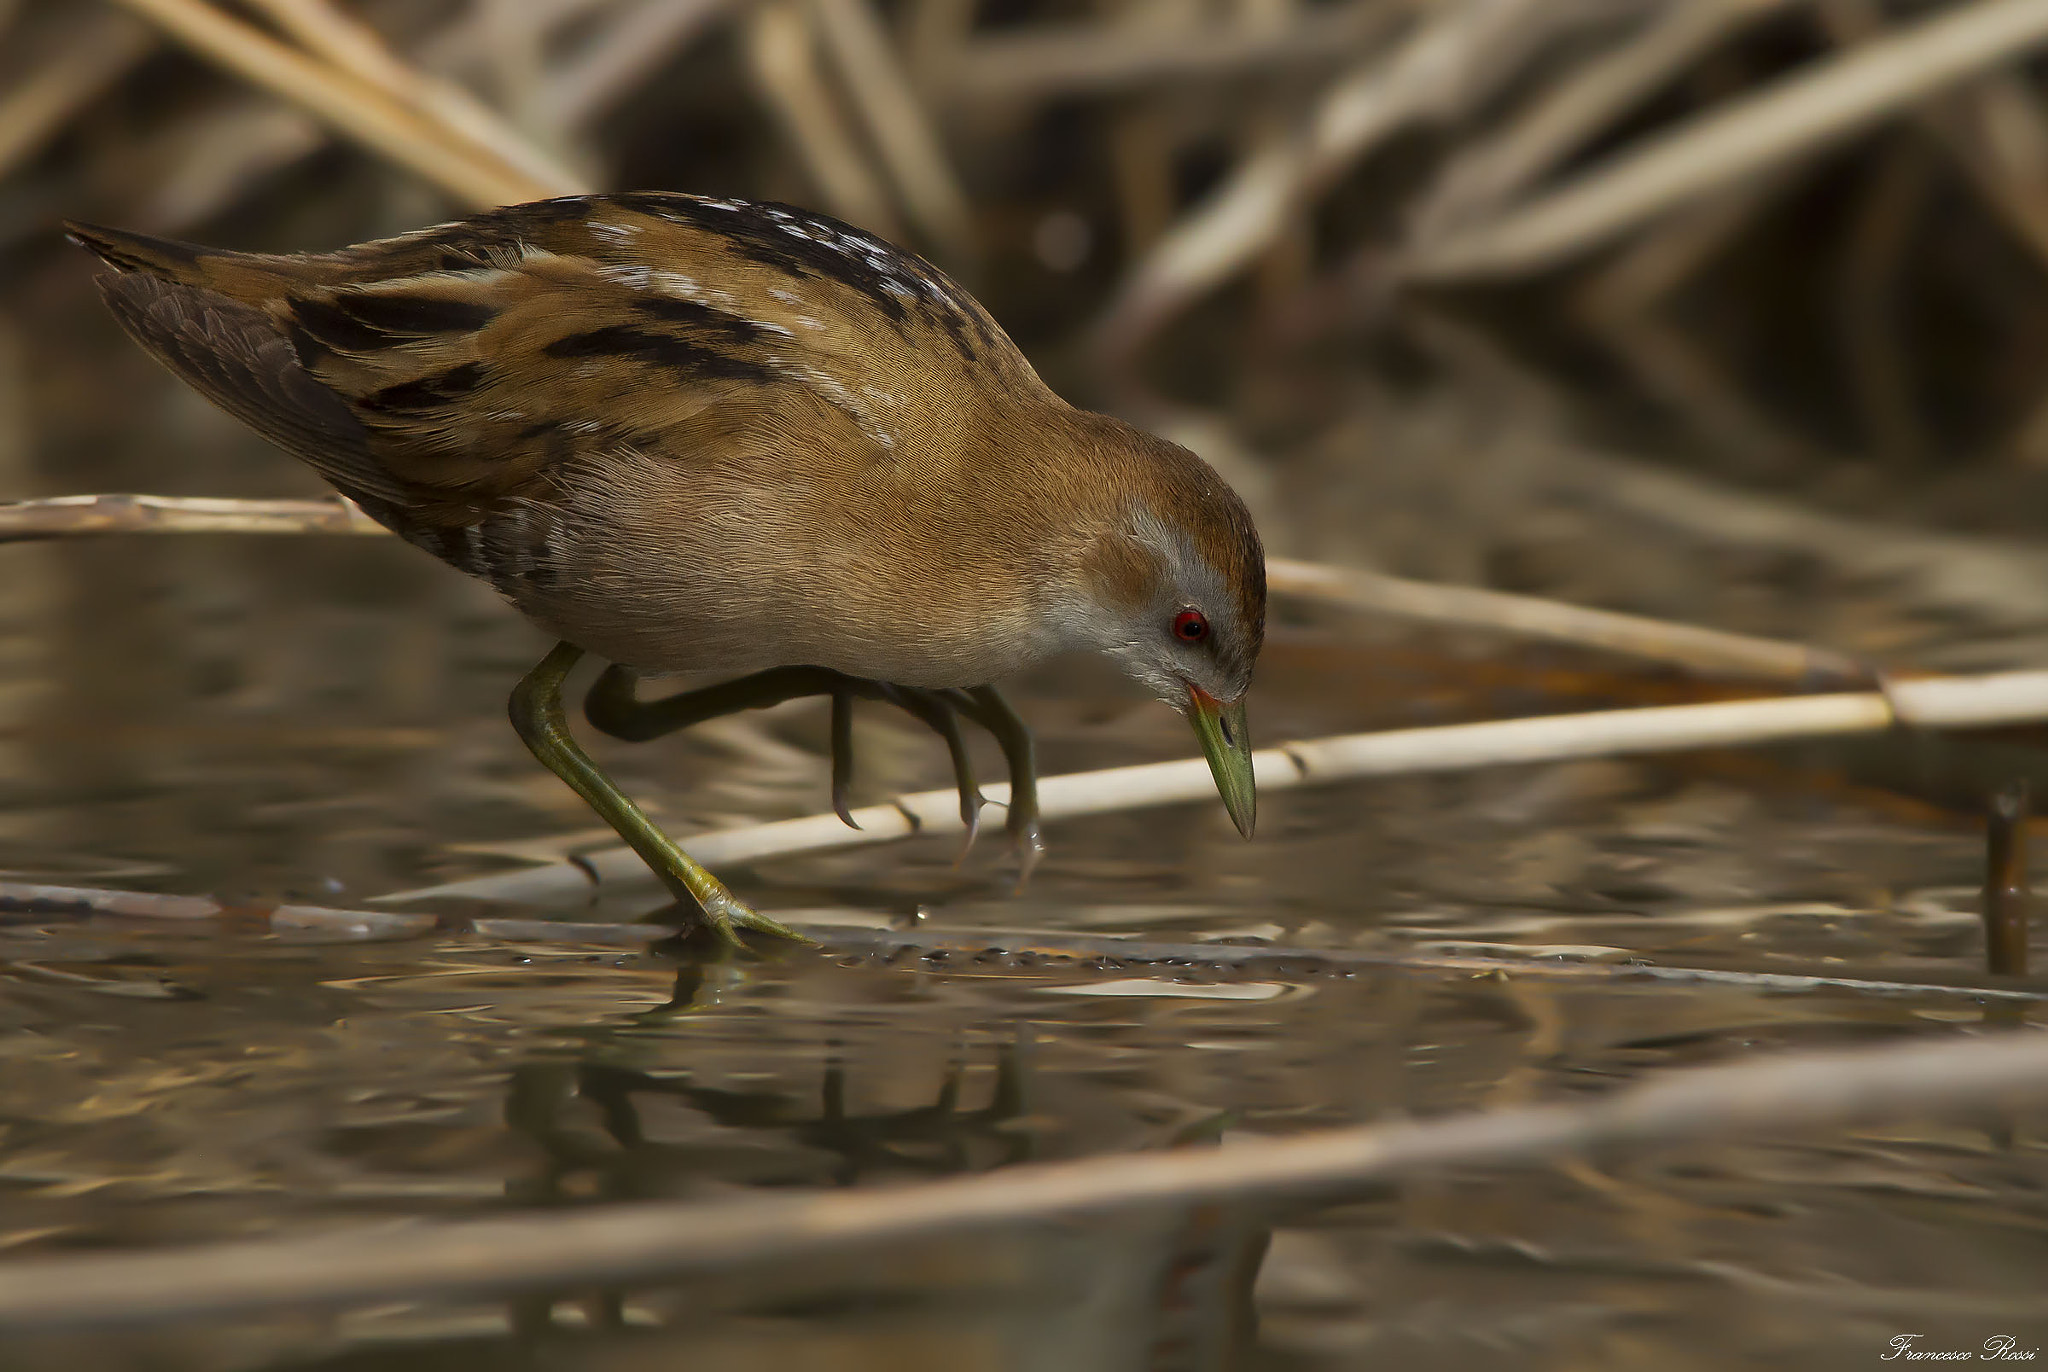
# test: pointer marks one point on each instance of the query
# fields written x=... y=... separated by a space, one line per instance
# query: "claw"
x=842 y=754
x=940 y=711
x=986 y=707
x=970 y=815
x=971 y=798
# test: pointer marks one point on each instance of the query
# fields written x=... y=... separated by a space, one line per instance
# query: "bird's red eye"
x=1190 y=627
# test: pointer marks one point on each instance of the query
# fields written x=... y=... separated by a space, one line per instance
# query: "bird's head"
x=1173 y=586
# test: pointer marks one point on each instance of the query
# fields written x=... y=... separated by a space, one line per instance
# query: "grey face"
x=1186 y=633
x=1184 y=639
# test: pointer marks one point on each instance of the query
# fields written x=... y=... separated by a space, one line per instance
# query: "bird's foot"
x=536 y=710
x=725 y=916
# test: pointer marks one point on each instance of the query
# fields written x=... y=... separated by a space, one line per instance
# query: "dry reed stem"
x=2000 y=583
x=1682 y=645
x=1992 y=127
x=782 y=59
x=1935 y=703
x=1453 y=59
x=1788 y=120
x=1053 y=60
x=624 y=1245
x=103 y=50
x=2007 y=894
x=359 y=111
x=1479 y=180
x=2005 y=581
x=2007 y=127
x=898 y=124
x=354 y=48
x=1870 y=304
x=218 y=154
x=934 y=36
x=621 y=56
x=213 y=156
x=1996 y=131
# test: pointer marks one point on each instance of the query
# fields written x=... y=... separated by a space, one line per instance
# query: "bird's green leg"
x=537 y=714
x=986 y=707
x=614 y=707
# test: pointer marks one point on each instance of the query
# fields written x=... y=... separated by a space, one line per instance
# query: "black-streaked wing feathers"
x=237 y=357
x=453 y=379
x=476 y=387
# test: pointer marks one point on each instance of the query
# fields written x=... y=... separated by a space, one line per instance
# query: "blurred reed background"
x=1797 y=244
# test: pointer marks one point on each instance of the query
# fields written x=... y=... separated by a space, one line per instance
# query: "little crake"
x=684 y=433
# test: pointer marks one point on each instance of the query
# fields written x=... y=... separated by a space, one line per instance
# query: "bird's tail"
x=165 y=258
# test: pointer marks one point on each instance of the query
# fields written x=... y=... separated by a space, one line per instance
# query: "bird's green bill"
x=1227 y=742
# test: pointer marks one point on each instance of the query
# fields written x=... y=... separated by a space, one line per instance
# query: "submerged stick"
x=1938 y=702
x=1052 y=950
x=2006 y=894
x=1055 y=951
x=617 y=1245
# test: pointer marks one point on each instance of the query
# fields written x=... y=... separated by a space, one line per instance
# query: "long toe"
x=986 y=707
x=842 y=755
x=727 y=915
x=970 y=817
